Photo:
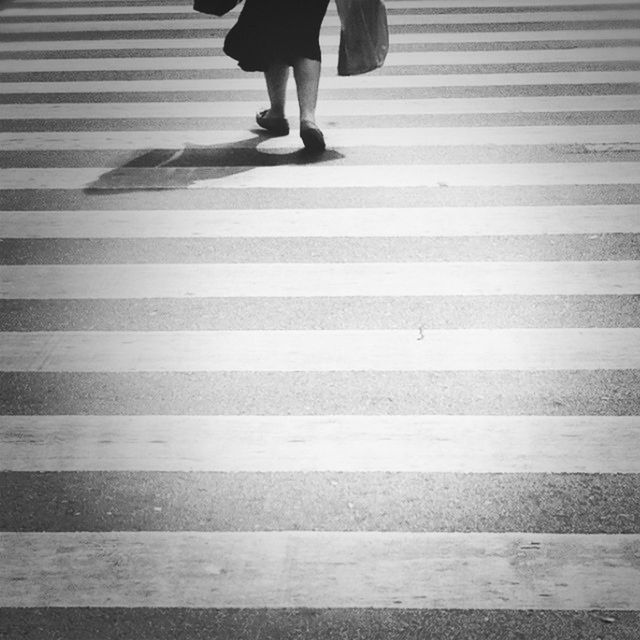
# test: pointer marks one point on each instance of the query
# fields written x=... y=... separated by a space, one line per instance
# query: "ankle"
x=276 y=112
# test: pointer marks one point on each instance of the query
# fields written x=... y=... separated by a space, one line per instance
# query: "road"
x=388 y=392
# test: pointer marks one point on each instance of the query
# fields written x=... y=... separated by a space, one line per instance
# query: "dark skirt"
x=276 y=31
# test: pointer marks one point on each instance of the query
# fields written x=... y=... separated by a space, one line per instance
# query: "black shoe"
x=276 y=126
x=312 y=137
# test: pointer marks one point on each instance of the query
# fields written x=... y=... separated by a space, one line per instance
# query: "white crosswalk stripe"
x=424 y=443
x=627 y=136
x=515 y=79
x=229 y=109
x=32 y=9
x=301 y=280
x=323 y=223
x=328 y=569
x=493 y=37
x=431 y=350
x=219 y=404
x=603 y=54
x=395 y=20
x=248 y=177
x=394 y=4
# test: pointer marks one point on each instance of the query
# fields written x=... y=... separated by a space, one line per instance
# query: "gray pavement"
x=336 y=624
x=40 y=501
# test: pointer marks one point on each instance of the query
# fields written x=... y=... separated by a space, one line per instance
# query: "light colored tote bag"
x=364 y=36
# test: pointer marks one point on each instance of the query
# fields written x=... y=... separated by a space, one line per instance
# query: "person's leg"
x=273 y=119
x=307 y=76
x=276 y=77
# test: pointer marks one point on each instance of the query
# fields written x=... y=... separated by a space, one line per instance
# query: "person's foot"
x=277 y=125
x=312 y=137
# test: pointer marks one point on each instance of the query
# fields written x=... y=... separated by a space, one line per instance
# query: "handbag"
x=364 y=36
x=214 y=7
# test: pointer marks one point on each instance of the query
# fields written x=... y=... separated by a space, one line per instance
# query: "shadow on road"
x=161 y=169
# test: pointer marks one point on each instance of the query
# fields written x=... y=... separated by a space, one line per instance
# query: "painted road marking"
x=407 y=58
x=391 y=4
x=109 y=281
x=325 y=350
x=330 y=82
x=230 y=109
x=321 y=569
x=565 y=35
x=399 y=444
x=626 y=136
x=26 y=9
x=331 y=21
x=324 y=223
x=314 y=176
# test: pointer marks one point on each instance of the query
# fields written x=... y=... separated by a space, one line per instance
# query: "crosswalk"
x=388 y=392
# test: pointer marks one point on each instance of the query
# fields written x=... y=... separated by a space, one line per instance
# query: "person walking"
x=273 y=36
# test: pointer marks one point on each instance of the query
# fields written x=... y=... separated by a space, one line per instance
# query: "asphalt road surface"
x=387 y=392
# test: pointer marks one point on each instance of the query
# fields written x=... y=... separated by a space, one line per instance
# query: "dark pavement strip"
x=319 y=501
x=215 y=50
x=151 y=198
x=72 y=251
x=346 y=93
x=244 y=122
x=217 y=155
x=390 y=71
x=437 y=312
x=312 y=624
x=302 y=393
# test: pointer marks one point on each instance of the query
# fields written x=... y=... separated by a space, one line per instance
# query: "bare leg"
x=307 y=75
x=276 y=77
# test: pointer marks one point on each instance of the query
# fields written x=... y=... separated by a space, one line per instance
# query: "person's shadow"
x=160 y=169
